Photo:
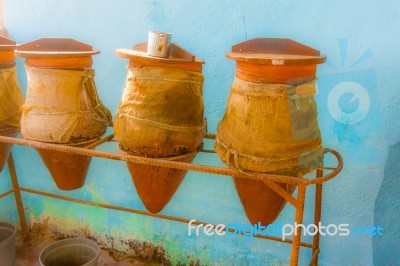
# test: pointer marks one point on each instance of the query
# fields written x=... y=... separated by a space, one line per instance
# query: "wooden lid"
x=275 y=51
x=178 y=57
x=55 y=48
x=7 y=44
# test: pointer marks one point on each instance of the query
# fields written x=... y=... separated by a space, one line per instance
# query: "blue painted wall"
x=358 y=101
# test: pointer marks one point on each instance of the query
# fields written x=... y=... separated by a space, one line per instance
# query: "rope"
x=262 y=160
x=164 y=125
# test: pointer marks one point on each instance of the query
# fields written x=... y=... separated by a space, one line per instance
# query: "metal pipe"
x=18 y=198
x=301 y=193
x=314 y=258
x=281 y=192
x=317 y=215
x=2 y=195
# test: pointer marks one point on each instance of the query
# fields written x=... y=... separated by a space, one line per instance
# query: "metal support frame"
x=270 y=179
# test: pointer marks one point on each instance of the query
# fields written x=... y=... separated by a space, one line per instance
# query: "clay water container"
x=11 y=99
x=7 y=56
x=272 y=103
x=62 y=105
x=160 y=116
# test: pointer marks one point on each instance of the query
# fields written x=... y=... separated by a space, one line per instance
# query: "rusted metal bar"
x=301 y=194
x=314 y=258
x=2 y=195
x=269 y=179
x=154 y=215
x=176 y=164
x=100 y=141
x=317 y=215
x=281 y=192
x=18 y=198
x=210 y=136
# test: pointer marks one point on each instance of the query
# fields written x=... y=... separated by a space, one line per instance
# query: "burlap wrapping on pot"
x=11 y=99
x=161 y=112
x=62 y=106
x=270 y=127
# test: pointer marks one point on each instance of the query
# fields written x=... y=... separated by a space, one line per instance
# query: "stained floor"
x=27 y=253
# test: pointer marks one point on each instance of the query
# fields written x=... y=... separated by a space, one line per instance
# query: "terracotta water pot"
x=7 y=60
x=68 y=170
x=156 y=185
x=7 y=56
x=47 y=60
x=5 y=148
x=266 y=61
x=160 y=116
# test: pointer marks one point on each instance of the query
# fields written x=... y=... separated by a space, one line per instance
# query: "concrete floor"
x=27 y=253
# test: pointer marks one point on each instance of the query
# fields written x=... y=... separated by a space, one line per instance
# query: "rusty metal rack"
x=269 y=179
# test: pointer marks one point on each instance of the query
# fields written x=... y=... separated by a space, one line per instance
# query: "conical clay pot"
x=156 y=185
x=160 y=116
x=260 y=203
x=5 y=148
x=62 y=105
x=68 y=170
x=253 y=110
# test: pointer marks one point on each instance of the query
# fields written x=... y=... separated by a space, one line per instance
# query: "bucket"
x=272 y=103
x=70 y=252
x=7 y=244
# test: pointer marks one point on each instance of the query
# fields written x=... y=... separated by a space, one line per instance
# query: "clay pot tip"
x=156 y=185
x=68 y=170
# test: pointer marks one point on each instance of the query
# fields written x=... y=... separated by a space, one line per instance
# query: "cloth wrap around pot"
x=11 y=99
x=62 y=106
x=280 y=126
x=269 y=128
x=161 y=112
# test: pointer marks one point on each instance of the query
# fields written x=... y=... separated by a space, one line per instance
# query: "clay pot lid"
x=54 y=48
x=275 y=51
x=7 y=44
x=177 y=54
